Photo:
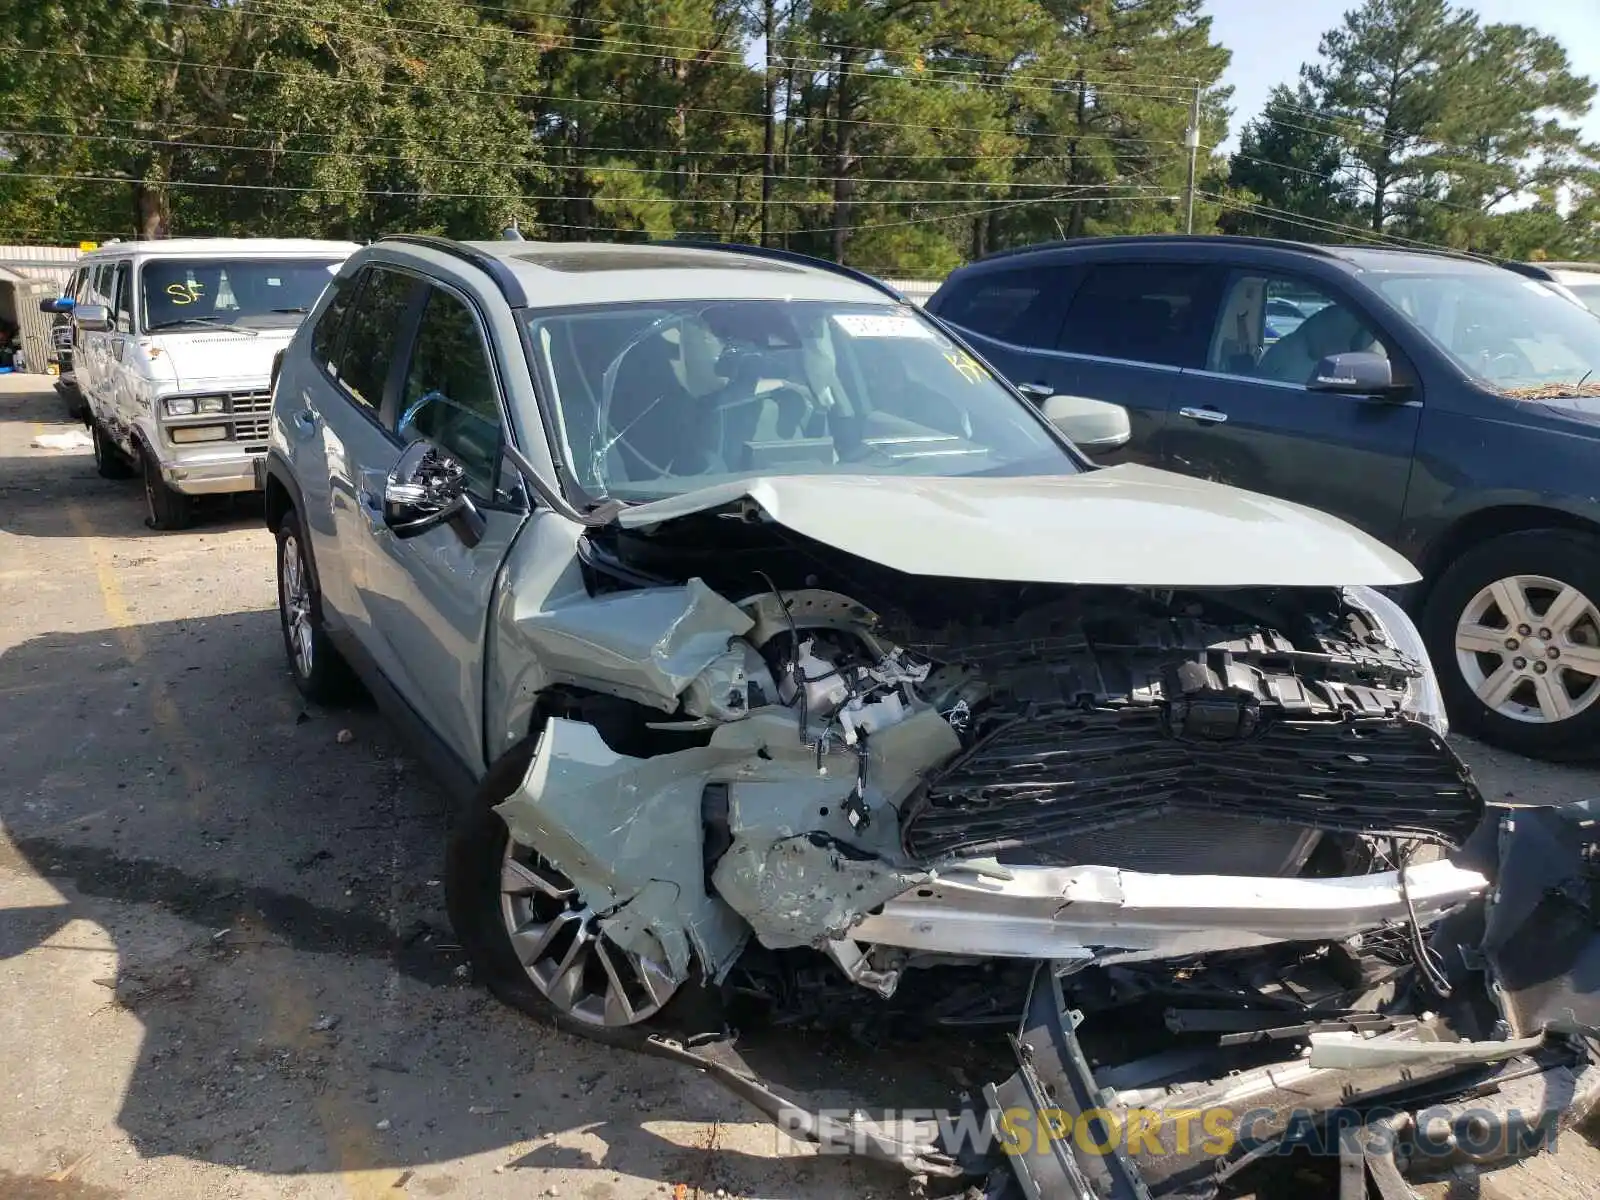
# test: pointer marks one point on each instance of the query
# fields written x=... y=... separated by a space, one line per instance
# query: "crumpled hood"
x=1125 y=525
x=217 y=359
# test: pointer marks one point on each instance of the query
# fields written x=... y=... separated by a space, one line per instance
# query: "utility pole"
x=1191 y=139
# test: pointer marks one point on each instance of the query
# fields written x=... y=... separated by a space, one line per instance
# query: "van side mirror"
x=426 y=489
x=92 y=318
x=57 y=306
x=1354 y=373
x=1090 y=425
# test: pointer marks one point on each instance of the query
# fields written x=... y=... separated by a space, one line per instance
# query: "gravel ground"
x=225 y=968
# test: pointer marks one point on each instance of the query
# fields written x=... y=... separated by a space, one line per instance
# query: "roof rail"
x=1151 y=239
x=504 y=277
x=789 y=256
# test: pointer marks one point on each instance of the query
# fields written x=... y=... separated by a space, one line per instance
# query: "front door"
x=429 y=596
x=1248 y=418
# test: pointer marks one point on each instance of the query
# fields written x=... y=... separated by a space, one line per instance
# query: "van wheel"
x=318 y=670
x=536 y=943
x=1513 y=628
x=109 y=462
x=166 y=509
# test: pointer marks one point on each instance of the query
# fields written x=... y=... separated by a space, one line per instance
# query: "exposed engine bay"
x=1218 y=828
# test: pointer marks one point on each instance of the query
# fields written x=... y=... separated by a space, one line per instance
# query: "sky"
x=1270 y=39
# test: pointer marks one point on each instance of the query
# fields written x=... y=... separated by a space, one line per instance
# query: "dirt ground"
x=225 y=968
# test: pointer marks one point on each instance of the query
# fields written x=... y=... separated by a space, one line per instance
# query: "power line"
x=531 y=166
x=986 y=210
x=384 y=84
x=723 y=57
x=429 y=194
x=1294 y=218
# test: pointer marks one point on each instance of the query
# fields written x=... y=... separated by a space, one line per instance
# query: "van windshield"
x=256 y=293
x=1514 y=334
x=655 y=399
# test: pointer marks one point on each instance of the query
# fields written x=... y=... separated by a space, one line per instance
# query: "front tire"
x=532 y=939
x=108 y=460
x=1513 y=628
x=317 y=668
x=165 y=508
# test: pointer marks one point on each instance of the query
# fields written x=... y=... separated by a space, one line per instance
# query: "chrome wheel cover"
x=294 y=593
x=575 y=966
x=1529 y=647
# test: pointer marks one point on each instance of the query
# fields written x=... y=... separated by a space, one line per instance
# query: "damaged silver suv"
x=785 y=651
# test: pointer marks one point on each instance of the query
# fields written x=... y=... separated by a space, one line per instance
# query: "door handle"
x=372 y=510
x=307 y=416
x=1210 y=416
x=1036 y=391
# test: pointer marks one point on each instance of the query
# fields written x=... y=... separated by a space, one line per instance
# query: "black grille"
x=1053 y=774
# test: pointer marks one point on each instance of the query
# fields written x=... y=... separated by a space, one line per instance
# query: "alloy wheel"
x=296 y=589
x=1529 y=647
x=566 y=956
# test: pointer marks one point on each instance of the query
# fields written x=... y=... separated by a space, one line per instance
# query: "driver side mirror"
x=426 y=489
x=92 y=318
x=63 y=304
x=1355 y=373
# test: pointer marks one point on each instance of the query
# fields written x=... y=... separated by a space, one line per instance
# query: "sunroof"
x=580 y=261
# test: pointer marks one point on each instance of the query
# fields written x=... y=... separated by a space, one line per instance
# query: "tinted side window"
x=325 y=334
x=372 y=333
x=450 y=396
x=100 y=285
x=1145 y=312
x=1021 y=306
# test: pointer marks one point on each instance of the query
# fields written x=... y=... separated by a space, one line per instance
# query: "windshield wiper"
x=299 y=309
x=207 y=322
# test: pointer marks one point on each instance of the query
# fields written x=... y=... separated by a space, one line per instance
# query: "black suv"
x=1444 y=404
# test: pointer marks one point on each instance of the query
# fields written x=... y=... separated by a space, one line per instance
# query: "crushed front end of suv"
x=834 y=685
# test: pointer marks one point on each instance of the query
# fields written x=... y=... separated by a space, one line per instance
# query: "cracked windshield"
x=664 y=398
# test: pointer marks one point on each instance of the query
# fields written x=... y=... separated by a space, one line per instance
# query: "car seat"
x=655 y=425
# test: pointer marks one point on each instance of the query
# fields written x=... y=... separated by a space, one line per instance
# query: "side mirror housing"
x=426 y=489
x=1091 y=425
x=63 y=304
x=1355 y=373
x=92 y=318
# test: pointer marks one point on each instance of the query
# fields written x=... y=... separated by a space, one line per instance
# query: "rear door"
x=1131 y=327
x=1246 y=416
x=429 y=596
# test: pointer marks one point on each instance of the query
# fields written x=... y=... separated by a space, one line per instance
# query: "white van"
x=175 y=344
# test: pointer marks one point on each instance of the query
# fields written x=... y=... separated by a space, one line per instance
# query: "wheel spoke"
x=1511 y=601
x=518 y=879
x=1565 y=611
x=1496 y=689
x=618 y=1007
x=1554 y=702
x=567 y=982
x=1583 y=659
x=1480 y=639
x=533 y=940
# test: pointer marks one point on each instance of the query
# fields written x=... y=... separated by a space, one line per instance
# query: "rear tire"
x=318 y=669
x=1481 y=653
x=165 y=508
x=109 y=462
x=475 y=864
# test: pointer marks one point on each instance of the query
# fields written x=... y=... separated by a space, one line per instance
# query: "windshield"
x=254 y=293
x=1589 y=293
x=658 y=399
x=1514 y=334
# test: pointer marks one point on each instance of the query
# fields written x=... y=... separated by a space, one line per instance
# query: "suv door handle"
x=1210 y=416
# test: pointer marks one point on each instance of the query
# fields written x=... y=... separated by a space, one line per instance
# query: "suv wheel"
x=108 y=460
x=165 y=508
x=318 y=670
x=1513 y=628
x=532 y=937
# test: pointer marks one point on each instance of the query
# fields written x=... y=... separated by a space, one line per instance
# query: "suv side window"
x=1021 y=306
x=373 y=333
x=1278 y=328
x=122 y=298
x=450 y=395
x=325 y=334
x=1143 y=312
